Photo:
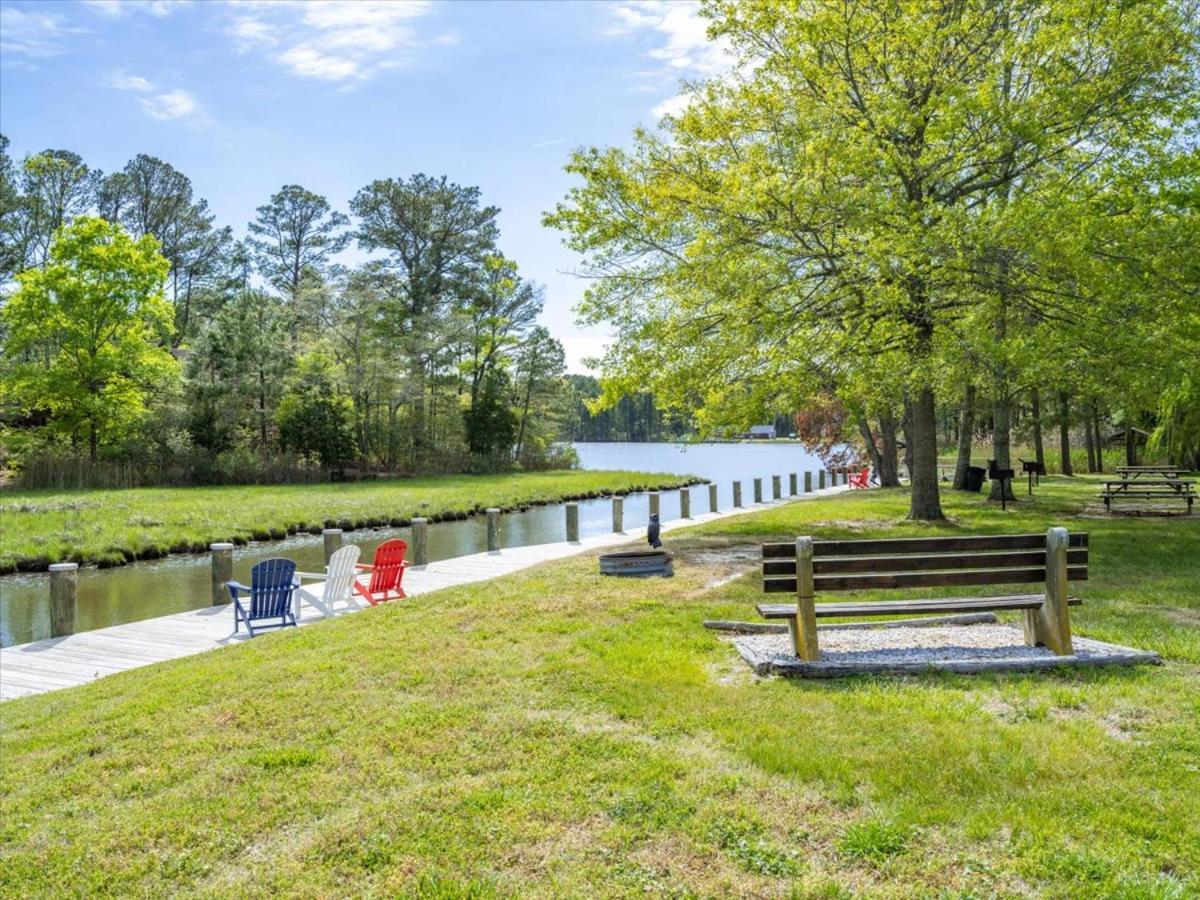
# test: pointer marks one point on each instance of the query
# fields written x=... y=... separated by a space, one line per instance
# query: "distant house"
x=763 y=432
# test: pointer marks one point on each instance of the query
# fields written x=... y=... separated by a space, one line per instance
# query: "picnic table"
x=1141 y=484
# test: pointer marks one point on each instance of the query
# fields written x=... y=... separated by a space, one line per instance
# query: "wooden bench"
x=807 y=566
x=1128 y=489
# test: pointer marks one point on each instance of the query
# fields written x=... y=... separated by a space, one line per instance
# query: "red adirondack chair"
x=387 y=570
x=860 y=480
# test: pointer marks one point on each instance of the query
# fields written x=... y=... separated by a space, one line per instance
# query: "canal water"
x=177 y=583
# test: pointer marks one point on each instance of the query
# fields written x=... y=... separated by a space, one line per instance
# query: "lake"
x=159 y=587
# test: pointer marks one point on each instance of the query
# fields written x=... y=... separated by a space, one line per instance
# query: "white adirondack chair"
x=335 y=585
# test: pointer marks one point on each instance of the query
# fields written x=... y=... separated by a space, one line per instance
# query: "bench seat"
x=911 y=607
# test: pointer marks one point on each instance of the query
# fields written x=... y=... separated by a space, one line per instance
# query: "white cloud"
x=117 y=8
x=165 y=105
x=35 y=35
x=332 y=40
x=679 y=35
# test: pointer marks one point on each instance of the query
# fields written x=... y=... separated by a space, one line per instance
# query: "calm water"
x=178 y=583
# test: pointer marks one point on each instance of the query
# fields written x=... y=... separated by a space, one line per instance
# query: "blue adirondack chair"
x=273 y=584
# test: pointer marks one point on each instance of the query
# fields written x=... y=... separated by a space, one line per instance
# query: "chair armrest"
x=363 y=566
x=237 y=585
x=321 y=575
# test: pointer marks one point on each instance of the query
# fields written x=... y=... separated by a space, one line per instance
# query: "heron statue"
x=652 y=532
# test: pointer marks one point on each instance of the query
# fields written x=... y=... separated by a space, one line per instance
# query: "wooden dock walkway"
x=76 y=659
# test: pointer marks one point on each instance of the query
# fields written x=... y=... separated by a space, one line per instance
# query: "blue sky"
x=246 y=96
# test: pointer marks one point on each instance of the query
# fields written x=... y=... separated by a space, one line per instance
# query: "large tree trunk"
x=1001 y=441
x=1089 y=442
x=926 y=503
x=1099 y=438
x=1064 y=433
x=906 y=430
x=864 y=430
x=1130 y=446
x=1035 y=403
x=966 y=432
x=889 y=452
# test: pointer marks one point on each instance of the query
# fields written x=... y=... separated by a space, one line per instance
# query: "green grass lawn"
x=114 y=526
x=555 y=733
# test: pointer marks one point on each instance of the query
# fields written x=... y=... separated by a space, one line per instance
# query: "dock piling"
x=222 y=571
x=493 y=529
x=654 y=505
x=792 y=484
x=685 y=503
x=618 y=515
x=821 y=480
x=737 y=494
x=572 y=523
x=420 y=541
x=333 y=542
x=64 y=577
x=808 y=482
x=776 y=487
x=758 y=490
x=712 y=497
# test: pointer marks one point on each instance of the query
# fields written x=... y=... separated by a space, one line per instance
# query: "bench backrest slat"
x=785 y=584
x=922 y=563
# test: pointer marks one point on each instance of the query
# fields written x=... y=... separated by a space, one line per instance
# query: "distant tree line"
x=139 y=333
x=635 y=417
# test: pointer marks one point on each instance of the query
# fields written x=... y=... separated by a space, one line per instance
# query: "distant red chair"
x=860 y=480
x=387 y=571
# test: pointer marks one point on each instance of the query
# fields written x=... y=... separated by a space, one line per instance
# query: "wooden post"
x=420 y=541
x=712 y=498
x=758 y=490
x=573 y=523
x=333 y=541
x=776 y=487
x=1049 y=625
x=654 y=496
x=808 y=482
x=804 y=625
x=64 y=578
x=493 y=530
x=792 y=485
x=737 y=494
x=618 y=515
x=222 y=571
x=821 y=480
x=685 y=503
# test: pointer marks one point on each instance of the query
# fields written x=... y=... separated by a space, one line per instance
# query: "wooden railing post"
x=821 y=480
x=758 y=490
x=804 y=625
x=792 y=486
x=1050 y=625
x=493 y=530
x=654 y=505
x=776 y=487
x=618 y=515
x=222 y=571
x=333 y=541
x=712 y=498
x=808 y=482
x=64 y=579
x=420 y=541
x=685 y=503
x=573 y=523
x=737 y=494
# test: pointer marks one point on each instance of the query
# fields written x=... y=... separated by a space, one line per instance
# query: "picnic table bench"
x=806 y=566
x=1147 y=489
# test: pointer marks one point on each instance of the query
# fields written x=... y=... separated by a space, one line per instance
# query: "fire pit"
x=636 y=563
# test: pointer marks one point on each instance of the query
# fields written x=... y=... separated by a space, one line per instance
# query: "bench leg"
x=1049 y=624
x=803 y=627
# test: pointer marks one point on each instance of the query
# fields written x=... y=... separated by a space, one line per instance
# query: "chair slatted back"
x=921 y=562
x=385 y=568
x=339 y=574
x=271 y=586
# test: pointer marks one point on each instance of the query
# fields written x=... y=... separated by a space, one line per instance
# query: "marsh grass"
x=556 y=733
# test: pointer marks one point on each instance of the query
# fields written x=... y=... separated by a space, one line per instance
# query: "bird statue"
x=652 y=532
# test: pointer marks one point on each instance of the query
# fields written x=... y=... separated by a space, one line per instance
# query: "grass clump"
x=874 y=840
